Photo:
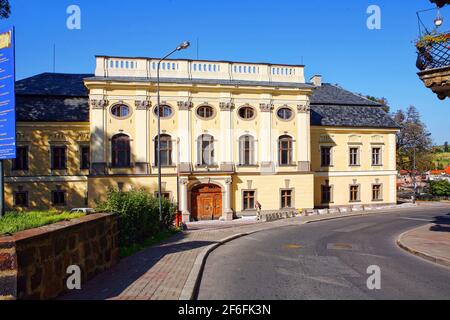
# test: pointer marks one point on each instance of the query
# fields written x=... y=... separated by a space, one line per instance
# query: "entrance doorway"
x=206 y=202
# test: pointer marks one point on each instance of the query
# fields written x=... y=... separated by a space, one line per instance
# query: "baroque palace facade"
x=234 y=136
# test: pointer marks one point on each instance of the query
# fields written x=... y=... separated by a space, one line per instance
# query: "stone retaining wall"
x=33 y=263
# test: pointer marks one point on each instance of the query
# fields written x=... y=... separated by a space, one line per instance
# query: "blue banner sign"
x=7 y=96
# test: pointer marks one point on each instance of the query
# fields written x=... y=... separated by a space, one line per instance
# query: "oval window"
x=165 y=111
x=285 y=113
x=120 y=111
x=246 y=113
x=205 y=112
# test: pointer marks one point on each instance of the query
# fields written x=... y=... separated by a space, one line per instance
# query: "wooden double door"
x=206 y=202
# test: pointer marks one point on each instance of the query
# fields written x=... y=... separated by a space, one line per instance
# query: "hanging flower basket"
x=434 y=38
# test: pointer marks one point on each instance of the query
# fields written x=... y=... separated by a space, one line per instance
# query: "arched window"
x=246 y=150
x=205 y=149
x=121 y=151
x=165 y=111
x=205 y=112
x=285 y=150
x=120 y=111
x=166 y=150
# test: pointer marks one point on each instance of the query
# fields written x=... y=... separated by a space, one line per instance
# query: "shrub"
x=440 y=188
x=138 y=214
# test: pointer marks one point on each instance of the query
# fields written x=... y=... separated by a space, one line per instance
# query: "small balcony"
x=433 y=50
x=433 y=61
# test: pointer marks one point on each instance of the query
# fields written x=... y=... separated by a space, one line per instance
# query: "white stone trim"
x=47 y=179
x=356 y=173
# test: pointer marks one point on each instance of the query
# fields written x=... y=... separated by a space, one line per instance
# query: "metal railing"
x=433 y=51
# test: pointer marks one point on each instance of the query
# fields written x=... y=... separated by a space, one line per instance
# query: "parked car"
x=83 y=210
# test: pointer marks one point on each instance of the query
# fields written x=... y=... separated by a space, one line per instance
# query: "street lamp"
x=182 y=46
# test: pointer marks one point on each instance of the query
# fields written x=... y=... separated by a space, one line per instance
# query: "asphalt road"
x=327 y=260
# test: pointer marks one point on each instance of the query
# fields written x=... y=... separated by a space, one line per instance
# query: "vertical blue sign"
x=7 y=96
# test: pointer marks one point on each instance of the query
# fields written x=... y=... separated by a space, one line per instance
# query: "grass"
x=135 y=248
x=14 y=222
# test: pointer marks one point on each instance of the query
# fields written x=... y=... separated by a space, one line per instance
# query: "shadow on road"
x=442 y=224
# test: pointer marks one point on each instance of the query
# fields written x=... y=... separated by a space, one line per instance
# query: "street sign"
x=7 y=96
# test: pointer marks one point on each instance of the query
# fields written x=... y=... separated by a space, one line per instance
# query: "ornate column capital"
x=303 y=108
x=98 y=104
x=185 y=105
x=266 y=107
x=228 y=181
x=184 y=181
x=142 y=104
x=226 y=106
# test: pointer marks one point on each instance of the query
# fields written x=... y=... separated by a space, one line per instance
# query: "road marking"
x=417 y=219
x=341 y=246
x=355 y=227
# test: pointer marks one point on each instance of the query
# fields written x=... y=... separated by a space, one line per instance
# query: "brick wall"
x=33 y=263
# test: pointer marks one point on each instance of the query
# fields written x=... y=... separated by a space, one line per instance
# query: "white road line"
x=417 y=219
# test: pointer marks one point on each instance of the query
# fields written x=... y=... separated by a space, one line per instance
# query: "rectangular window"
x=58 y=155
x=59 y=198
x=21 y=161
x=376 y=192
x=354 y=193
x=249 y=200
x=325 y=156
x=286 y=199
x=326 y=194
x=85 y=158
x=21 y=199
x=354 y=156
x=164 y=195
x=376 y=156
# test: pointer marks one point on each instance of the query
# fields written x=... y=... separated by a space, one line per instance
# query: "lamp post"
x=182 y=46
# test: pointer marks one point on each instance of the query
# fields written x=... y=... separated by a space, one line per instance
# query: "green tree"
x=5 y=9
x=440 y=188
x=413 y=137
x=383 y=101
x=446 y=146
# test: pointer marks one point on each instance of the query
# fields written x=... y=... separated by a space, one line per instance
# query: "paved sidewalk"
x=170 y=271
x=431 y=242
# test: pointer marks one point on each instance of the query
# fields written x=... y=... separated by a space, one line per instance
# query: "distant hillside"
x=441 y=158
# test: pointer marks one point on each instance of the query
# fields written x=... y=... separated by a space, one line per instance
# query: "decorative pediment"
x=58 y=137
x=84 y=137
x=377 y=139
x=355 y=139
x=325 y=138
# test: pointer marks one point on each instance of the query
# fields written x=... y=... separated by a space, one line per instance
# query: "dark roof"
x=52 y=97
x=335 y=95
x=351 y=116
x=54 y=84
x=64 y=98
x=207 y=81
x=332 y=105
x=43 y=108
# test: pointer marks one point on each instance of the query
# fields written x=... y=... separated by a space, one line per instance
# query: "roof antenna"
x=54 y=58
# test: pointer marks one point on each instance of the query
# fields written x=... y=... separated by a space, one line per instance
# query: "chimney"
x=316 y=80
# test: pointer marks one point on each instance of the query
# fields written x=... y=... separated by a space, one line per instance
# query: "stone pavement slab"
x=431 y=242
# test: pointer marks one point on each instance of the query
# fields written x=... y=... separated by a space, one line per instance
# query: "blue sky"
x=329 y=37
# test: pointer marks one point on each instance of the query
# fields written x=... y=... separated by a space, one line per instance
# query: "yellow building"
x=235 y=136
